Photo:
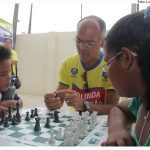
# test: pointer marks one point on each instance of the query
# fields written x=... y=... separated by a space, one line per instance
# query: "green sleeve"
x=134 y=105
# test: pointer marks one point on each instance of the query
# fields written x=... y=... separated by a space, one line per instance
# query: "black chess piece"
x=35 y=112
x=2 y=117
x=17 y=108
x=56 y=117
x=18 y=118
x=80 y=112
x=47 y=124
x=27 y=116
x=14 y=120
x=32 y=113
x=6 y=122
x=37 y=124
x=9 y=114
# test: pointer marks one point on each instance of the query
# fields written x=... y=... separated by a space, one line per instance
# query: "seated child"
x=8 y=97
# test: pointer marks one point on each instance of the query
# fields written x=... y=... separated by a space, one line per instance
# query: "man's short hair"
x=100 y=21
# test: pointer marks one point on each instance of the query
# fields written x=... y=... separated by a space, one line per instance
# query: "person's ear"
x=127 y=58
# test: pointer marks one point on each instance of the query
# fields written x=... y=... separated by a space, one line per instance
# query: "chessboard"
x=72 y=129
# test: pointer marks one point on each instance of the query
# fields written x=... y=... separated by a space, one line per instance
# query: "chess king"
x=8 y=97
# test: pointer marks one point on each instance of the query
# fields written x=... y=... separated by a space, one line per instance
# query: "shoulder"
x=13 y=51
x=72 y=59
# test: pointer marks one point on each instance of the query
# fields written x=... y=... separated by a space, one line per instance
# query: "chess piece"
x=18 y=117
x=37 y=124
x=27 y=116
x=52 y=140
x=56 y=117
x=2 y=117
x=60 y=136
x=80 y=112
x=9 y=114
x=17 y=108
x=76 y=137
x=14 y=120
x=47 y=124
x=68 y=141
x=35 y=112
x=32 y=113
x=6 y=122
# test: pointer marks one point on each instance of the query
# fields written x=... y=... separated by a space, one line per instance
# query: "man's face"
x=88 y=41
x=8 y=44
x=5 y=75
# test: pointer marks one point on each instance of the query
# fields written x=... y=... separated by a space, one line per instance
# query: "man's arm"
x=14 y=62
x=72 y=99
x=119 y=119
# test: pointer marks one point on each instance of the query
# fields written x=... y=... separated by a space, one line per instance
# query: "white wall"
x=40 y=57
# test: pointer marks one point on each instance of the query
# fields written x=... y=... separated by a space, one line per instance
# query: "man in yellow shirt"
x=82 y=82
x=14 y=58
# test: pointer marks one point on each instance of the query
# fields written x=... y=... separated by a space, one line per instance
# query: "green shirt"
x=135 y=106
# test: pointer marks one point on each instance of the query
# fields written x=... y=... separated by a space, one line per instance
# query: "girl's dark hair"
x=133 y=31
x=4 y=53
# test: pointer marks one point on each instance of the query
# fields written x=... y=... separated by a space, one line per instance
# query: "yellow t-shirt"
x=71 y=74
x=14 y=57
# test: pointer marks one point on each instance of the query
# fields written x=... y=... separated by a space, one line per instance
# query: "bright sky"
x=62 y=15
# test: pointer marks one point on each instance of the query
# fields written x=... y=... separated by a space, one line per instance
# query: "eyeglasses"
x=105 y=71
x=88 y=44
x=109 y=62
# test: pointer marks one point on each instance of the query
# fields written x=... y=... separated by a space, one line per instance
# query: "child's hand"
x=3 y=108
x=119 y=138
x=8 y=103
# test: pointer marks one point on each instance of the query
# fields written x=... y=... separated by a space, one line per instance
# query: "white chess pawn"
x=68 y=141
x=59 y=136
x=87 y=114
x=76 y=137
x=52 y=140
x=93 y=120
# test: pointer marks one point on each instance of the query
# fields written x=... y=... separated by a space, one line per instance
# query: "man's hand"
x=52 y=101
x=119 y=137
x=72 y=98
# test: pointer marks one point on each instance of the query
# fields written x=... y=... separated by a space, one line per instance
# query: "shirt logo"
x=93 y=95
x=74 y=71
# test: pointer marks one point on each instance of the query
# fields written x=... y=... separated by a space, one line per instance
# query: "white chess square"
x=25 y=131
x=8 y=132
x=23 y=125
x=45 y=135
x=29 y=137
